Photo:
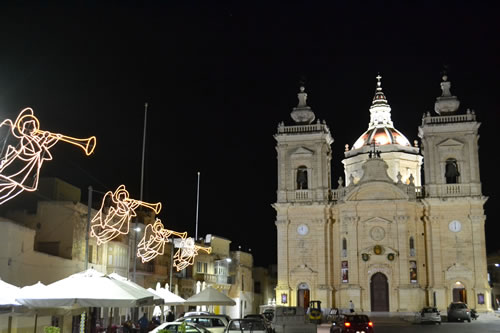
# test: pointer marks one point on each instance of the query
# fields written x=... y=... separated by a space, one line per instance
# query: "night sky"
x=219 y=77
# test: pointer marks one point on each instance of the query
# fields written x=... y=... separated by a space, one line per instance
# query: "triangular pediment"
x=450 y=143
x=458 y=272
x=376 y=190
x=302 y=269
x=302 y=152
x=376 y=220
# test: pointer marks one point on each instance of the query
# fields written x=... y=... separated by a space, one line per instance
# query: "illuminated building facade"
x=384 y=238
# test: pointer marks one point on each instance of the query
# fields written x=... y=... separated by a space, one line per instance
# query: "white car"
x=246 y=325
x=213 y=323
x=173 y=327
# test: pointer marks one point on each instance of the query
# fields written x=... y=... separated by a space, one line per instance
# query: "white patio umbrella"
x=87 y=289
x=36 y=290
x=157 y=300
x=168 y=297
x=209 y=296
x=8 y=293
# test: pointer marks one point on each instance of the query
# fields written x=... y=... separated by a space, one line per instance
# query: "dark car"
x=352 y=323
x=458 y=311
x=259 y=316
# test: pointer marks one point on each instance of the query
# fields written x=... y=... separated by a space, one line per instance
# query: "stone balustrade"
x=458 y=118
x=311 y=128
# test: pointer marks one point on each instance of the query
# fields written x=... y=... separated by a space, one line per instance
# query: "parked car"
x=173 y=327
x=259 y=316
x=458 y=311
x=430 y=315
x=196 y=313
x=292 y=319
x=269 y=314
x=352 y=323
x=213 y=323
x=246 y=325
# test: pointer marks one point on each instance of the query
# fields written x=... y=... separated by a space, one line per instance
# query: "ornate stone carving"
x=377 y=233
x=382 y=268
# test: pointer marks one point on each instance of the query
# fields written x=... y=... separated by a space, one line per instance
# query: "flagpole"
x=142 y=186
x=197 y=208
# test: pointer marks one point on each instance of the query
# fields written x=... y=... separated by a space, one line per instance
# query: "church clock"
x=455 y=226
x=302 y=229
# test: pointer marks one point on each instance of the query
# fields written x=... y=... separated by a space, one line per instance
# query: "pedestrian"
x=170 y=316
x=144 y=324
x=351 y=306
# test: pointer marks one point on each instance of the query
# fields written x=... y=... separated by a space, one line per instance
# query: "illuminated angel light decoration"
x=20 y=166
x=153 y=244
x=114 y=216
x=186 y=253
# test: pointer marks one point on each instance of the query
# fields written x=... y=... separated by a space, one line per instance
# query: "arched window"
x=302 y=178
x=451 y=171
x=412 y=247
x=344 y=247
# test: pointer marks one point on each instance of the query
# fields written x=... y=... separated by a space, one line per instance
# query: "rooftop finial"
x=302 y=114
x=302 y=95
x=446 y=103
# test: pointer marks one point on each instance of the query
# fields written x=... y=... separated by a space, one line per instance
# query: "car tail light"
x=370 y=324
x=347 y=324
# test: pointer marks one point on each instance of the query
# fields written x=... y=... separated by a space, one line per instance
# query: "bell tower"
x=450 y=148
x=304 y=183
x=304 y=156
x=453 y=205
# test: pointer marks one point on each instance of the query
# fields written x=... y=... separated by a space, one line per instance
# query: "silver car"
x=430 y=315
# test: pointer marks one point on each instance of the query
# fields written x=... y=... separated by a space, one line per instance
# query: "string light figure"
x=186 y=253
x=114 y=216
x=20 y=166
x=153 y=242
x=153 y=245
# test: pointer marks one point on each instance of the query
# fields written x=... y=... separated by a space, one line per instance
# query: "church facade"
x=384 y=238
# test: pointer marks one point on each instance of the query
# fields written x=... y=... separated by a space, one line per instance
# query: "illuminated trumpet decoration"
x=153 y=245
x=20 y=166
x=117 y=210
x=186 y=253
x=153 y=242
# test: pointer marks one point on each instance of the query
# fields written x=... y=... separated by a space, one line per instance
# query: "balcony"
x=216 y=279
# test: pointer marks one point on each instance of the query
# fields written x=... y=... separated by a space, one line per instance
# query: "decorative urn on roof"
x=446 y=104
x=302 y=114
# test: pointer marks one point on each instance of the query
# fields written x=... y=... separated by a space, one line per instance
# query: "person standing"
x=170 y=316
x=351 y=306
x=143 y=323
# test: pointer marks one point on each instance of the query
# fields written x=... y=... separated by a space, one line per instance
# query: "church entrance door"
x=379 y=292
x=303 y=297
x=459 y=293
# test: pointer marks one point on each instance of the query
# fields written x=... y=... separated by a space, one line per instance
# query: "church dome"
x=381 y=136
x=381 y=130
